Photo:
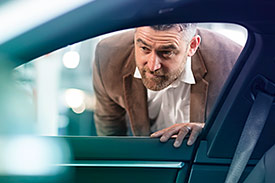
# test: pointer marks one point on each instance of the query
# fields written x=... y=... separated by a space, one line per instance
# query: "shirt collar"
x=137 y=74
x=186 y=76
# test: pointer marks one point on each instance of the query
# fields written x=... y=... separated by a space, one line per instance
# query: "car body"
x=141 y=159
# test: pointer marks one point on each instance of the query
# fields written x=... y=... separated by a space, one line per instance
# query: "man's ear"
x=193 y=45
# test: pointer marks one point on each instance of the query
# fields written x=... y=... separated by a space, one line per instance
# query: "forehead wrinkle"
x=166 y=39
x=139 y=40
x=168 y=47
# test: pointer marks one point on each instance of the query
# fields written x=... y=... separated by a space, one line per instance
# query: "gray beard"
x=159 y=83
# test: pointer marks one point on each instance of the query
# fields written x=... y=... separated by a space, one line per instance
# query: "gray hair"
x=188 y=29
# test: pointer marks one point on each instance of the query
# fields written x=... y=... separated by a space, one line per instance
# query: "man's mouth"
x=151 y=75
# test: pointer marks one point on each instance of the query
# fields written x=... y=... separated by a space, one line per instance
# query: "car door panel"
x=212 y=173
x=126 y=159
x=212 y=169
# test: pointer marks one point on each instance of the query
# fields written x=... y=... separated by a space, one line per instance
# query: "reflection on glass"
x=60 y=84
x=23 y=152
x=30 y=155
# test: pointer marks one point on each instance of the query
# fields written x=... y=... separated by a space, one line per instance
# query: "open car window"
x=60 y=86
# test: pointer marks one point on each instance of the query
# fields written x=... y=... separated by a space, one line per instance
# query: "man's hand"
x=180 y=130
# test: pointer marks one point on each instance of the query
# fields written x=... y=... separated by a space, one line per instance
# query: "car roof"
x=20 y=16
x=99 y=17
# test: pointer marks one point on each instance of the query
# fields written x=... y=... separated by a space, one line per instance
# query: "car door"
x=141 y=159
x=127 y=159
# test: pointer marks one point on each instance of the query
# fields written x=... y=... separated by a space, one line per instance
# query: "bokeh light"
x=71 y=59
x=74 y=98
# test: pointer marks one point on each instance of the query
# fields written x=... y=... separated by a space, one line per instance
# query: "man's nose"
x=154 y=62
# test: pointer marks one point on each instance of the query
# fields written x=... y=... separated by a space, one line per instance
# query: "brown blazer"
x=118 y=92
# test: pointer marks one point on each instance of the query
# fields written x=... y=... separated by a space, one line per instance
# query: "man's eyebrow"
x=143 y=42
x=168 y=47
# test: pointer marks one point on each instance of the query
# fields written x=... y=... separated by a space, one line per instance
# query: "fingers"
x=196 y=130
x=167 y=133
x=157 y=134
x=181 y=135
x=180 y=130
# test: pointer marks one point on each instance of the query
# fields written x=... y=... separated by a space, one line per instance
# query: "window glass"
x=60 y=84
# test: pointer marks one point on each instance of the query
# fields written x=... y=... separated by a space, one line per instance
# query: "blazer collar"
x=135 y=97
x=198 y=66
x=199 y=91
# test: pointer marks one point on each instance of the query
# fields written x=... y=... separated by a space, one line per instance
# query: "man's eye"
x=167 y=53
x=144 y=48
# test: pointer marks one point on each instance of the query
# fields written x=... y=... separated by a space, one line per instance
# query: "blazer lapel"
x=198 y=96
x=135 y=97
x=136 y=105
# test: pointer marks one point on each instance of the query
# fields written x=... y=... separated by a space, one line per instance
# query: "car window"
x=60 y=84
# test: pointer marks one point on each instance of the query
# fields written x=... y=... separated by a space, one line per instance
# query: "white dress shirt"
x=170 y=105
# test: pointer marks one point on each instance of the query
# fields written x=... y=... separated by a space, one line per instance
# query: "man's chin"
x=151 y=85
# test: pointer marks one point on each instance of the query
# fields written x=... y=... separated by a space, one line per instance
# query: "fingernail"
x=176 y=144
x=162 y=139
x=154 y=134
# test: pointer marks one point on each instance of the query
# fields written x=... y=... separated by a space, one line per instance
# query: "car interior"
x=237 y=135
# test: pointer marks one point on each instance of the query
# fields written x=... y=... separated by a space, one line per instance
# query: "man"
x=165 y=77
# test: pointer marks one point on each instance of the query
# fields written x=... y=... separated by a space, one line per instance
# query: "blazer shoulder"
x=216 y=48
x=211 y=40
x=118 y=40
x=114 y=58
x=116 y=49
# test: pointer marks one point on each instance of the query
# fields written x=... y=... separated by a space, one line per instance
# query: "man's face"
x=160 y=56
